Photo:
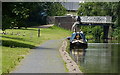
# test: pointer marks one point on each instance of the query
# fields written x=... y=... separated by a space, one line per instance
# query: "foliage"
x=92 y=32
x=16 y=14
x=98 y=9
x=116 y=33
x=8 y=23
x=55 y=9
x=91 y=9
x=97 y=32
x=22 y=14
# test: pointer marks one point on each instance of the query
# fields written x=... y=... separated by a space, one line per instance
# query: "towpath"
x=44 y=59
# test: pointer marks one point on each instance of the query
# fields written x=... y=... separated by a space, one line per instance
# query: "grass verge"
x=16 y=43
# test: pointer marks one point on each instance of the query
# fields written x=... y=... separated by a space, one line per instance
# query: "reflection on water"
x=97 y=58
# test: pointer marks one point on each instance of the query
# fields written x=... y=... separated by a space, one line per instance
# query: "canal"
x=98 y=58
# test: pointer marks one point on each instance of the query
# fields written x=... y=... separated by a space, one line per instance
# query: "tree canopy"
x=23 y=14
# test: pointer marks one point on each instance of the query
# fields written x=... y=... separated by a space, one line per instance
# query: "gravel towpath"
x=44 y=59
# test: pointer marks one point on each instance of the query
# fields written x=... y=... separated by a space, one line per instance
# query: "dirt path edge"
x=70 y=63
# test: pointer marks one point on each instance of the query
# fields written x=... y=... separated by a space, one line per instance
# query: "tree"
x=55 y=9
x=7 y=15
x=23 y=14
x=14 y=14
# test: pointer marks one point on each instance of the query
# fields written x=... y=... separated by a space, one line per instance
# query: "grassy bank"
x=18 y=42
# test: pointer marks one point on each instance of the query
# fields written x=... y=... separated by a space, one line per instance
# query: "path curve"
x=44 y=59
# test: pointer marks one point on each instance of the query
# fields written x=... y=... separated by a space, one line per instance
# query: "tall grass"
x=18 y=42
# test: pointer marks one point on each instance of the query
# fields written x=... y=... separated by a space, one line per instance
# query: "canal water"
x=98 y=58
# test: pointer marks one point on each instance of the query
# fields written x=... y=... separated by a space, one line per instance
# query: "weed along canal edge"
x=70 y=64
